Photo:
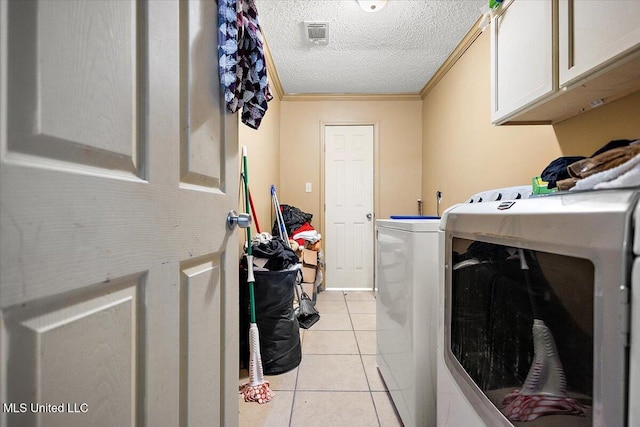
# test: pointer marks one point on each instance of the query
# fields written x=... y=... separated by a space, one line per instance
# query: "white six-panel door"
x=349 y=218
x=118 y=284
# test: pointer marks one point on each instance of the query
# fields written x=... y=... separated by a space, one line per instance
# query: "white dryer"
x=408 y=275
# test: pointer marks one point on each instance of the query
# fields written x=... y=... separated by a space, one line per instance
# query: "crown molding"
x=352 y=97
x=274 y=79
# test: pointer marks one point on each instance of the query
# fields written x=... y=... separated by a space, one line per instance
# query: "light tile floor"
x=337 y=382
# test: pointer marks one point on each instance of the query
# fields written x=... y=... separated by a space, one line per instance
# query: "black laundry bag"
x=280 y=346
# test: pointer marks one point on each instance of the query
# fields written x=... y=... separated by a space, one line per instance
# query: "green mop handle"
x=250 y=278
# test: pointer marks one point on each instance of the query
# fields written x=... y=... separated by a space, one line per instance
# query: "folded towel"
x=628 y=179
x=614 y=177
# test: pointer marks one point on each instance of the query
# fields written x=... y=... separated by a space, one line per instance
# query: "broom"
x=257 y=389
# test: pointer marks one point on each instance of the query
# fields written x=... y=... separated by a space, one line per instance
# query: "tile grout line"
x=373 y=401
x=295 y=385
x=359 y=354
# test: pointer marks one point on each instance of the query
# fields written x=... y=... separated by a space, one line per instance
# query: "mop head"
x=544 y=392
x=257 y=389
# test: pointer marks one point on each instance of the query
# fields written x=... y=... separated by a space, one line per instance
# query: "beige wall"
x=398 y=137
x=463 y=153
x=263 y=147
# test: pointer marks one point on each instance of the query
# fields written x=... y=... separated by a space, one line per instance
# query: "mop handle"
x=250 y=278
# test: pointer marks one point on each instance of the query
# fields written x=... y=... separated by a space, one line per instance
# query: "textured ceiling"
x=392 y=51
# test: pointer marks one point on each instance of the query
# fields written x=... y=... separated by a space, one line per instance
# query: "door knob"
x=242 y=220
x=369 y=216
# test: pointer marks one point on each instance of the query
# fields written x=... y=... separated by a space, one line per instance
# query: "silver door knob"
x=369 y=216
x=242 y=220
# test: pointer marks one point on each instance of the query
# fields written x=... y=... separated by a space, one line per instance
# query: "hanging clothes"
x=242 y=65
x=228 y=51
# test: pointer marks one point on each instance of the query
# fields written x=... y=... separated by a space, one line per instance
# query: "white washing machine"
x=408 y=274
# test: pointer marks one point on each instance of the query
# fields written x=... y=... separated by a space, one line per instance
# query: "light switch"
x=307 y=187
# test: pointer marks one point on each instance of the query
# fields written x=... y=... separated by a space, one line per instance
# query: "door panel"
x=348 y=200
x=521 y=76
x=201 y=131
x=589 y=41
x=200 y=306
x=101 y=365
x=118 y=167
x=93 y=77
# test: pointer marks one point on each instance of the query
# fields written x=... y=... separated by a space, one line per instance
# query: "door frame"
x=376 y=177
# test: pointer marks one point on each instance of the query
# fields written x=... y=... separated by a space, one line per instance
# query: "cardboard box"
x=309 y=261
x=308 y=274
x=308 y=289
x=309 y=258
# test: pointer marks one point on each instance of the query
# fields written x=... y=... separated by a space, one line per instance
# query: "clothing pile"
x=306 y=234
x=615 y=165
x=298 y=225
x=272 y=254
x=307 y=243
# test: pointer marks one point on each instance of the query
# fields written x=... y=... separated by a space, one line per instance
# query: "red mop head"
x=257 y=389
x=544 y=390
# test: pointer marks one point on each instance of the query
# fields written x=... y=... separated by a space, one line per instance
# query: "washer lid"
x=414 y=225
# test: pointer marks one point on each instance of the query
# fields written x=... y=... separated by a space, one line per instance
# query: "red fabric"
x=529 y=407
x=304 y=227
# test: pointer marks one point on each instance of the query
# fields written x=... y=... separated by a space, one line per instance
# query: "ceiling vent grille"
x=316 y=32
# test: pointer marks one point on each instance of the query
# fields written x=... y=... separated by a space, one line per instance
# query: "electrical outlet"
x=307 y=187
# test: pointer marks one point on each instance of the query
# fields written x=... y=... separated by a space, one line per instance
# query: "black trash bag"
x=293 y=218
x=280 y=347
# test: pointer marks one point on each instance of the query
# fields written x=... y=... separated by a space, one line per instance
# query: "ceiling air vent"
x=316 y=32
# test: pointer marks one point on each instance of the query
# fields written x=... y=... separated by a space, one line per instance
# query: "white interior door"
x=349 y=215
x=118 y=286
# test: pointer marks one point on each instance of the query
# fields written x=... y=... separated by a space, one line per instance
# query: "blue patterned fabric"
x=228 y=51
x=243 y=71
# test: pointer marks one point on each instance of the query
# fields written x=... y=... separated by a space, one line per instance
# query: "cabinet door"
x=522 y=57
x=593 y=34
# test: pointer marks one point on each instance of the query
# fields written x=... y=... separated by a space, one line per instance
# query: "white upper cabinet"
x=522 y=56
x=553 y=59
x=592 y=34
